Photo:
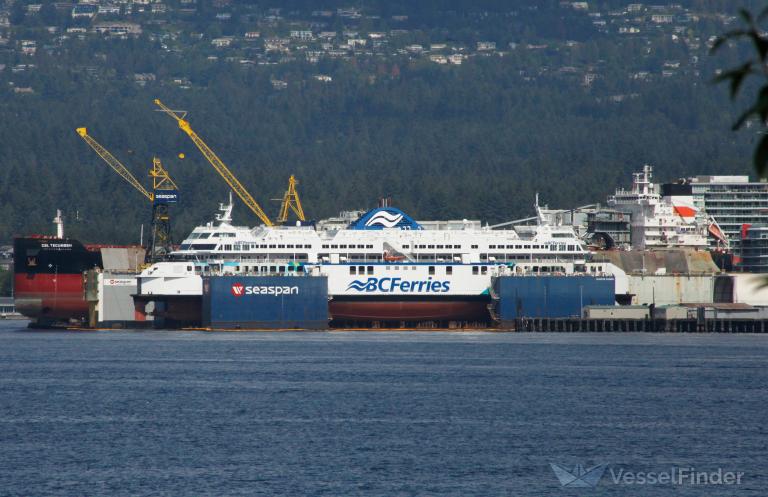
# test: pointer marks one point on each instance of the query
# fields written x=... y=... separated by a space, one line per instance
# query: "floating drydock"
x=549 y=296
x=263 y=302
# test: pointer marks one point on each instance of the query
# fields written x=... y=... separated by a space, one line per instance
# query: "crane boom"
x=114 y=163
x=217 y=164
x=291 y=201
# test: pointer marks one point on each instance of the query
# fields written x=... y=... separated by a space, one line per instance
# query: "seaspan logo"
x=238 y=290
x=389 y=285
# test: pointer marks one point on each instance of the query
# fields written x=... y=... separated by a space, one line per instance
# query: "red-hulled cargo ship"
x=49 y=275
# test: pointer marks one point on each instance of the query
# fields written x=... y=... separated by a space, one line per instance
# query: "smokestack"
x=59 y=222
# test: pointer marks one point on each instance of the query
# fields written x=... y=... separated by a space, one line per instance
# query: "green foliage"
x=757 y=67
x=470 y=141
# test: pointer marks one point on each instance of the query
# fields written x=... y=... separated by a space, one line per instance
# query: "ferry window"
x=361 y=246
x=290 y=245
x=474 y=270
x=484 y=270
x=325 y=245
x=290 y=268
x=405 y=246
x=262 y=246
x=204 y=246
x=571 y=248
x=334 y=246
x=272 y=269
x=491 y=246
x=205 y=235
x=431 y=269
x=263 y=269
x=272 y=246
x=430 y=246
x=449 y=270
x=370 y=269
x=352 y=270
x=483 y=256
x=439 y=246
x=282 y=269
x=227 y=247
x=527 y=246
x=361 y=269
x=281 y=246
x=189 y=268
x=474 y=246
x=388 y=268
x=185 y=246
x=369 y=246
x=237 y=269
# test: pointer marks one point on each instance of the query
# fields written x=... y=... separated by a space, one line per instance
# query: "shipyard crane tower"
x=217 y=163
x=292 y=202
x=164 y=192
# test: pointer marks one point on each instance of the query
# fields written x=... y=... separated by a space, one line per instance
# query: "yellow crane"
x=160 y=178
x=164 y=192
x=291 y=201
x=114 y=163
x=217 y=163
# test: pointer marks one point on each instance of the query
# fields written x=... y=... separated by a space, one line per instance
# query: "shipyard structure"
x=383 y=269
x=687 y=253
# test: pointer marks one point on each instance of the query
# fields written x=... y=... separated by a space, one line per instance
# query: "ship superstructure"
x=383 y=266
x=659 y=220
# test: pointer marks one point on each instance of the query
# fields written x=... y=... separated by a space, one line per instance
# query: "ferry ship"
x=383 y=266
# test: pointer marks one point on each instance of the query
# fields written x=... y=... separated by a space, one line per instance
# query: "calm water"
x=384 y=414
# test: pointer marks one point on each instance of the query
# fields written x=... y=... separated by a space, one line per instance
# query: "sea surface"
x=379 y=414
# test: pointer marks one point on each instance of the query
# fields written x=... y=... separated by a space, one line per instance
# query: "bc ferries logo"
x=384 y=218
x=390 y=285
x=238 y=290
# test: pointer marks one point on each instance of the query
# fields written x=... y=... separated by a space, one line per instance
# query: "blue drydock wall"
x=265 y=302
x=550 y=296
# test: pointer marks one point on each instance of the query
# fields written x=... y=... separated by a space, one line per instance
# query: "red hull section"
x=409 y=310
x=50 y=296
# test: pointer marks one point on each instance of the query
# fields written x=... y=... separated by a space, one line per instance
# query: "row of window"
x=560 y=247
x=242 y=246
x=261 y=269
x=407 y=246
x=358 y=270
x=338 y=246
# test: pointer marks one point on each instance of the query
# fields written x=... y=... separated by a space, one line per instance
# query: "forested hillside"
x=567 y=109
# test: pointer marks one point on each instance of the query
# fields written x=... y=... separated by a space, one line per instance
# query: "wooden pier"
x=571 y=325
